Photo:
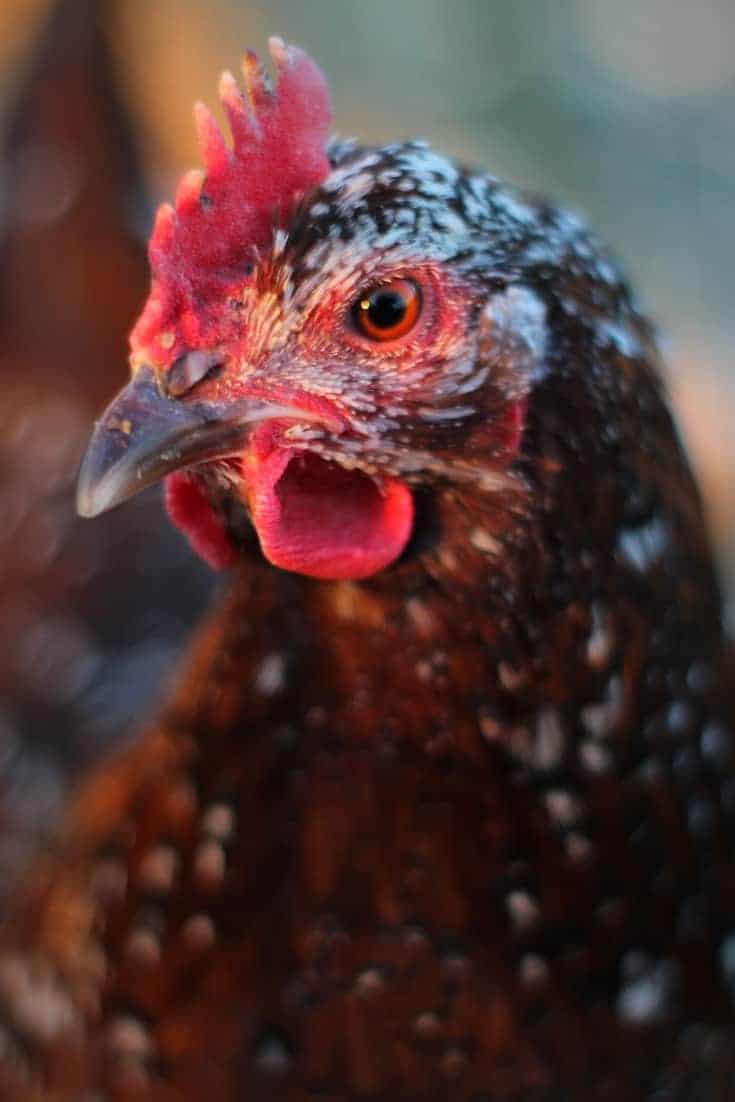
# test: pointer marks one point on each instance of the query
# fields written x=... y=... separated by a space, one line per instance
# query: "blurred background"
x=623 y=109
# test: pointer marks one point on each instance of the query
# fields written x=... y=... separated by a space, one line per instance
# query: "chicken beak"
x=144 y=435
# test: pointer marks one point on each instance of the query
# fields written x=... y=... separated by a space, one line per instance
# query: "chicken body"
x=456 y=828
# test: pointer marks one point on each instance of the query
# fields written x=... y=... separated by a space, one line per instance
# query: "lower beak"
x=144 y=435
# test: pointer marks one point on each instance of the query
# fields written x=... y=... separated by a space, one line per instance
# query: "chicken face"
x=310 y=376
x=371 y=348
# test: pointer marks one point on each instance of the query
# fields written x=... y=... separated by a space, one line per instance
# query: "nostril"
x=191 y=368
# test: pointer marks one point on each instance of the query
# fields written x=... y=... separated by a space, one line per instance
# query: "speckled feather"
x=459 y=831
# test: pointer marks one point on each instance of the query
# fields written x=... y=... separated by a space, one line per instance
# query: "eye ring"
x=388 y=310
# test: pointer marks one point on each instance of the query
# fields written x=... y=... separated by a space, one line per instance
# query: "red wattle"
x=316 y=518
x=189 y=509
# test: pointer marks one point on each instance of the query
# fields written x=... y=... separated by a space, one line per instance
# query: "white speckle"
x=599 y=645
x=450 y=222
x=601 y=720
x=369 y=982
x=356 y=187
x=518 y=316
x=127 y=1037
x=316 y=254
x=475 y=198
x=271 y=676
x=483 y=541
x=143 y=947
x=438 y=175
x=514 y=207
x=198 y=932
x=641 y=547
x=523 y=910
x=577 y=846
x=679 y=717
x=280 y=240
x=158 y=869
x=550 y=740
x=547 y=251
x=273 y=1057
x=594 y=757
x=510 y=678
x=218 y=821
x=421 y=617
x=533 y=969
x=209 y=865
x=699 y=677
x=717 y=744
x=452 y=413
x=490 y=727
x=570 y=223
x=620 y=337
x=319 y=209
x=647 y=996
x=564 y=808
x=424 y=671
x=427 y=1026
x=475 y=380
x=35 y=1002
x=606 y=272
x=448 y=559
x=304 y=433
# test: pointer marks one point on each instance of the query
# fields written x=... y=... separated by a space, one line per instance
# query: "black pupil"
x=385 y=308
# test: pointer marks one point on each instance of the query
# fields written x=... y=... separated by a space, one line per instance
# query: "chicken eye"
x=388 y=310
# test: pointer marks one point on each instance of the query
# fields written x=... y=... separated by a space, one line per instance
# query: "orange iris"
x=388 y=310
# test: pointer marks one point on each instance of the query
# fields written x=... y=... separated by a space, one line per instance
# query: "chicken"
x=441 y=806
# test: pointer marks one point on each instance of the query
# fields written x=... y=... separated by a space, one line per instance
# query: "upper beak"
x=144 y=435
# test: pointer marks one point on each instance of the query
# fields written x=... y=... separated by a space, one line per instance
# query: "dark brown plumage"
x=460 y=829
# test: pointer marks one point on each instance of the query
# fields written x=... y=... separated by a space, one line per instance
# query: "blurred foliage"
x=621 y=109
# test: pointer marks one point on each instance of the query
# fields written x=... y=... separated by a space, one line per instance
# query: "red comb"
x=203 y=244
